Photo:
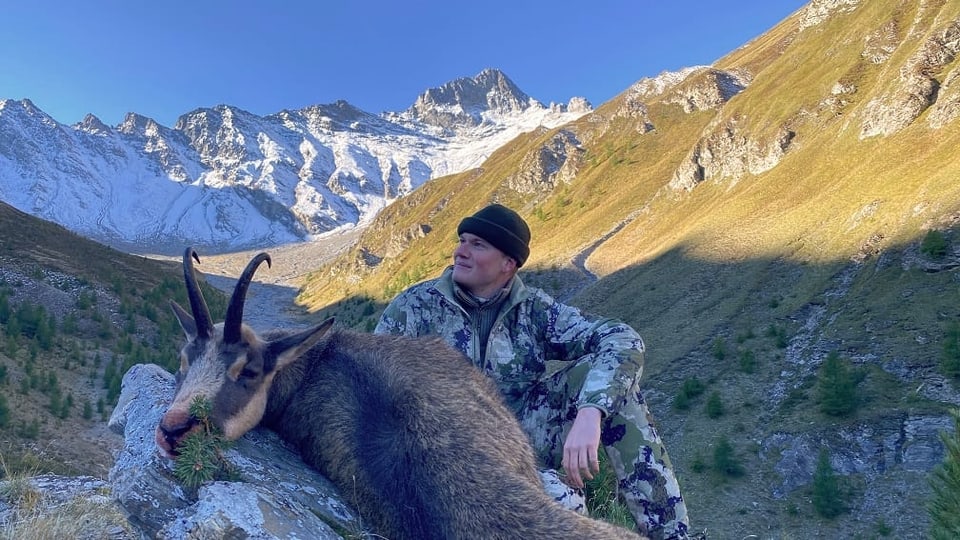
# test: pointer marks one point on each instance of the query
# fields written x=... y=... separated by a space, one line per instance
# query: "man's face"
x=479 y=267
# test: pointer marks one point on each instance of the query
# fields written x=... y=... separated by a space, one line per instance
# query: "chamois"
x=416 y=439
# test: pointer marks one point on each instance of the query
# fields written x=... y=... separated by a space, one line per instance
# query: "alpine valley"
x=781 y=227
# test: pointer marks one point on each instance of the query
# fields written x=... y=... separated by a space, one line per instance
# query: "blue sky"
x=166 y=58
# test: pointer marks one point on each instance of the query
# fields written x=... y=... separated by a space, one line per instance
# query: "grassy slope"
x=127 y=291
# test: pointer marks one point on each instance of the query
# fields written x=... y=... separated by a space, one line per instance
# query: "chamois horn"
x=231 y=325
x=201 y=313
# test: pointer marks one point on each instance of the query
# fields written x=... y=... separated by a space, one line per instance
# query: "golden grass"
x=35 y=516
x=79 y=518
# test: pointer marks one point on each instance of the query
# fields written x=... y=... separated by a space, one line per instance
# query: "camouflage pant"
x=635 y=451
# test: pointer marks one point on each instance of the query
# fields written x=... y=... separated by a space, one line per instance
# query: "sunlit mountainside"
x=750 y=218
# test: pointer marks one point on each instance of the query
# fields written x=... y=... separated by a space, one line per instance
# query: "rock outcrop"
x=548 y=166
x=921 y=85
x=728 y=152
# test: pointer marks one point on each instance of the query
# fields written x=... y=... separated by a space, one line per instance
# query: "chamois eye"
x=248 y=373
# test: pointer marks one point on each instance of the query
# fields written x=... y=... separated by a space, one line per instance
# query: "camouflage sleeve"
x=613 y=349
x=393 y=320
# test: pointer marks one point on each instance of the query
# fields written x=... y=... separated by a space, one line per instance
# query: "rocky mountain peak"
x=137 y=124
x=464 y=101
x=92 y=125
x=340 y=115
x=24 y=111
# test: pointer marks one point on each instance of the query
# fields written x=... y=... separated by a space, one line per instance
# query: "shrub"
x=714 y=405
x=691 y=388
x=698 y=465
x=719 y=349
x=741 y=338
x=779 y=336
x=836 y=386
x=4 y=412
x=748 y=361
x=725 y=460
x=944 y=508
x=934 y=244
x=827 y=497
x=950 y=359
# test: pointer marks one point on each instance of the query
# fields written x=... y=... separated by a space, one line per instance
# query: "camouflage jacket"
x=532 y=334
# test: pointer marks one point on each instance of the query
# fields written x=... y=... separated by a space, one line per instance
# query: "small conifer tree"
x=827 y=497
x=950 y=359
x=944 y=509
x=201 y=456
x=934 y=244
x=748 y=361
x=4 y=412
x=725 y=459
x=837 y=387
x=714 y=407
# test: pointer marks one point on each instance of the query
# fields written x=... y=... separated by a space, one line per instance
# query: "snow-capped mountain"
x=225 y=179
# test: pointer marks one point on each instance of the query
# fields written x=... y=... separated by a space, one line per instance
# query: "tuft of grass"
x=603 y=501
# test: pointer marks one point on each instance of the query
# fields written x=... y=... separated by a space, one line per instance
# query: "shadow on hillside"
x=683 y=305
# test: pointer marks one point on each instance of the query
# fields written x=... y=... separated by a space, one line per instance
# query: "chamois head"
x=227 y=364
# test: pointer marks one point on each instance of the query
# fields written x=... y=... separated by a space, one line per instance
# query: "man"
x=573 y=381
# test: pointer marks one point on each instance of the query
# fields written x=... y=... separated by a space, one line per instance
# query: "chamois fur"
x=415 y=438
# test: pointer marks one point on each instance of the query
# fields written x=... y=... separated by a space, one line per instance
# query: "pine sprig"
x=201 y=456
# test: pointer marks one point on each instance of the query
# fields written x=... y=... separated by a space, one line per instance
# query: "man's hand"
x=580 y=459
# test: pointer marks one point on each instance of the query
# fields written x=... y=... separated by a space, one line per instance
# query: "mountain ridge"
x=223 y=178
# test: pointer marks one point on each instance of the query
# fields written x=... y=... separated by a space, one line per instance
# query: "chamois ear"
x=288 y=349
x=186 y=321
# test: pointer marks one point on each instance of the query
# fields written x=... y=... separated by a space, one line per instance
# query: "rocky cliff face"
x=547 y=166
x=922 y=83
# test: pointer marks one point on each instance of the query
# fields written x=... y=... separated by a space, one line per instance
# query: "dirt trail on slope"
x=579 y=260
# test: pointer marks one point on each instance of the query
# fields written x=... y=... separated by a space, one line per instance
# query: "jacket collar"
x=518 y=291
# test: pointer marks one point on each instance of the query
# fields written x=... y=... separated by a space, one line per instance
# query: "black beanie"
x=503 y=228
